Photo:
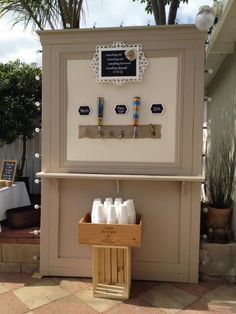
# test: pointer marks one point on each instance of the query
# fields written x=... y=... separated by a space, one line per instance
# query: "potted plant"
x=19 y=93
x=220 y=175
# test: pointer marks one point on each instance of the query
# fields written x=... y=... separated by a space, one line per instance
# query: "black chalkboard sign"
x=121 y=109
x=115 y=64
x=157 y=108
x=9 y=170
x=84 y=110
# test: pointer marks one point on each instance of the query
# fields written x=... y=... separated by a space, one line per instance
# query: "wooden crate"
x=111 y=272
x=109 y=234
x=5 y=183
x=2 y=183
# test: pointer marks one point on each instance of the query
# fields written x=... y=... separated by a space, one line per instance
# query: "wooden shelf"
x=64 y=175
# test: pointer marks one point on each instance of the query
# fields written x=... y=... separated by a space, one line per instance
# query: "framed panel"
x=164 y=73
x=62 y=145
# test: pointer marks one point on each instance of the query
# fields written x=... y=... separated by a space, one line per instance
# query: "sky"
x=17 y=43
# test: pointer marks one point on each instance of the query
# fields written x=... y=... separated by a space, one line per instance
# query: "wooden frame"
x=9 y=177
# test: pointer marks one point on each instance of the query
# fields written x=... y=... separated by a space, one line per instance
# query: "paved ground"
x=21 y=293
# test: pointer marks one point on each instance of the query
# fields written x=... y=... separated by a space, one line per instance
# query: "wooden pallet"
x=111 y=271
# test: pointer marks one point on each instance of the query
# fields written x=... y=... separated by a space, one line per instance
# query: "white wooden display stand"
x=160 y=173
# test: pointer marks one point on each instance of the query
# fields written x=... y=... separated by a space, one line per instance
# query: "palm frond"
x=44 y=14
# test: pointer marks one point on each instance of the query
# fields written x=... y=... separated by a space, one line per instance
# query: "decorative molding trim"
x=176 y=167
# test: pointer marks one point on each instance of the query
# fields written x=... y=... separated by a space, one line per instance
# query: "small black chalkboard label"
x=121 y=109
x=115 y=64
x=84 y=110
x=9 y=170
x=157 y=108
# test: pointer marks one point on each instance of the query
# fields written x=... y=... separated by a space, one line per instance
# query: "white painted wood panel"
x=160 y=77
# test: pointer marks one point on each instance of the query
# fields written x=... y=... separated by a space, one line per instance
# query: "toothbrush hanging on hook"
x=100 y=111
x=136 y=108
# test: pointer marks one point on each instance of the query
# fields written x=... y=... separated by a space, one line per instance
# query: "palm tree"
x=157 y=7
x=50 y=14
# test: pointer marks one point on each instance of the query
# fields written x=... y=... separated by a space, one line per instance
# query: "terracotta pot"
x=219 y=218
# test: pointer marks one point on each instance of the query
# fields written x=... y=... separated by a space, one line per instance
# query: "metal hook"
x=121 y=133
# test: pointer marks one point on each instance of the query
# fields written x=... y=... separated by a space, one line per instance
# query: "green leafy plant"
x=51 y=14
x=220 y=173
x=19 y=93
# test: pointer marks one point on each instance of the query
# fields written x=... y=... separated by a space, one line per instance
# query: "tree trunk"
x=78 y=14
x=23 y=157
x=173 y=11
x=155 y=11
x=70 y=13
x=162 y=12
x=27 y=7
x=62 y=13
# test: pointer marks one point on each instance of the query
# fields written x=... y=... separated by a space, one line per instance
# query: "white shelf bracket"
x=183 y=188
x=117 y=186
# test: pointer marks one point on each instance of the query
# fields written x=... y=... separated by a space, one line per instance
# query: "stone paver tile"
x=222 y=306
x=204 y=312
x=135 y=305
x=14 y=281
x=223 y=298
x=31 y=297
x=167 y=297
x=3 y=289
x=196 y=289
x=40 y=293
x=72 y=284
x=99 y=304
x=222 y=292
x=88 y=281
x=201 y=306
x=211 y=284
x=10 y=304
x=138 y=286
x=69 y=304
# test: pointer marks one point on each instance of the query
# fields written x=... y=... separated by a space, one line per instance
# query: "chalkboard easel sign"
x=9 y=170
